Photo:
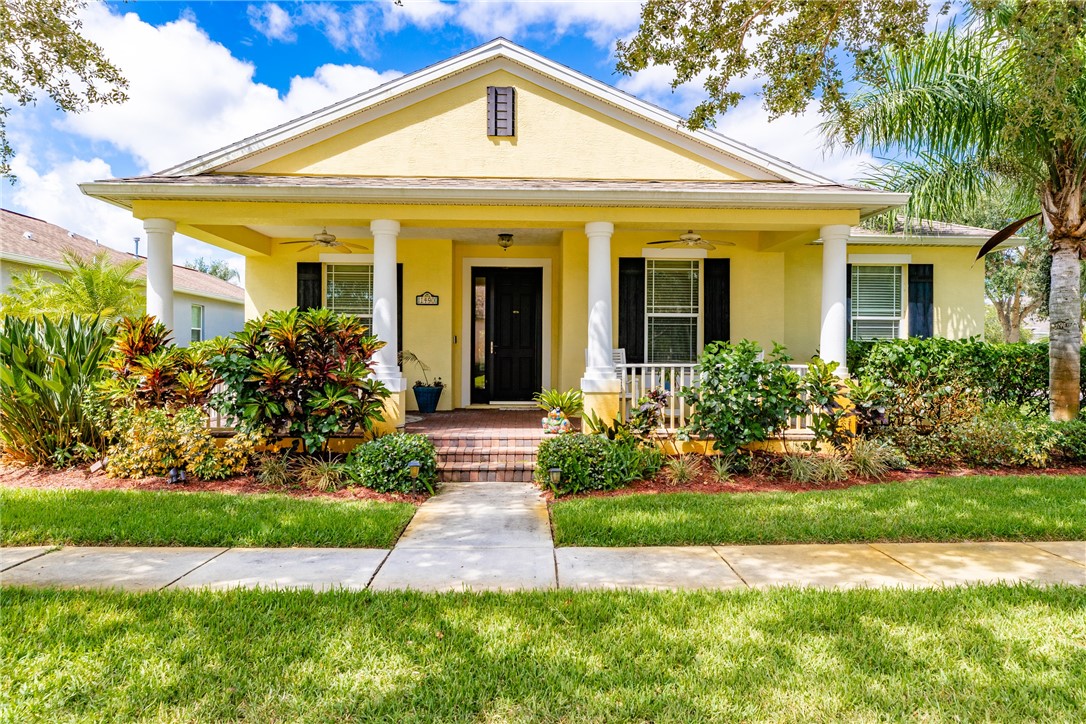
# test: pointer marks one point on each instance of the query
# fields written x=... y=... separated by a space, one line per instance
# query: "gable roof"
x=496 y=54
x=27 y=240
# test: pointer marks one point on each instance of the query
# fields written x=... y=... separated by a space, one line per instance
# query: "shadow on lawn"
x=998 y=653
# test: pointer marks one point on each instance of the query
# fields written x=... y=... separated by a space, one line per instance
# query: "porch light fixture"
x=176 y=476
x=413 y=469
x=555 y=475
x=505 y=241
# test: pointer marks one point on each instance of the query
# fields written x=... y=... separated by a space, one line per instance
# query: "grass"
x=122 y=517
x=973 y=654
x=942 y=509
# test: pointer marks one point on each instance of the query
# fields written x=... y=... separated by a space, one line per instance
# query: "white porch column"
x=387 y=369
x=832 y=343
x=160 y=269
x=600 y=366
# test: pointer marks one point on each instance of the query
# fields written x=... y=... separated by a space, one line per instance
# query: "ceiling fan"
x=326 y=241
x=691 y=240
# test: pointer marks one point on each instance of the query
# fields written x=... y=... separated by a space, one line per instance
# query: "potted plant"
x=426 y=393
x=559 y=406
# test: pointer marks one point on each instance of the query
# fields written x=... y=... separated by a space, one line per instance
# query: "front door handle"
x=491 y=348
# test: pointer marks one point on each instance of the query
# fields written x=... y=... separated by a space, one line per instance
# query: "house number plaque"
x=426 y=299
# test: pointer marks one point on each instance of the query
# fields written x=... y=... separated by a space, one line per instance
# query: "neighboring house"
x=426 y=173
x=203 y=306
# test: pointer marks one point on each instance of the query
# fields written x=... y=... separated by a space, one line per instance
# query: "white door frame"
x=467 y=303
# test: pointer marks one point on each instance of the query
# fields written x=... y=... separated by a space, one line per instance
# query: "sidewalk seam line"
x=730 y=566
x=903 y=565
x=31 y=558
x=379 y=567
x=1033 y=544
x=224 y=550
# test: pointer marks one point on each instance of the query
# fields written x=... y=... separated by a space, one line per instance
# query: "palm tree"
x=90 y=287
x=1001 y=103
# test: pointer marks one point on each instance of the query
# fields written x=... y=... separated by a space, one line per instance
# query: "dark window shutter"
x=631 y=308
x=309 y=285
x=921 y=301
x=399 y=306
x=501 y=110
x=848 y=301
x=717 y=315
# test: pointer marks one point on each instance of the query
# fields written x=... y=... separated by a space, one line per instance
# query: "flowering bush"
x=150 y=442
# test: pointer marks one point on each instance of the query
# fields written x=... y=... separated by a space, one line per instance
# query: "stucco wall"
x=776 y=297
x=446 y=136
x=957 y=292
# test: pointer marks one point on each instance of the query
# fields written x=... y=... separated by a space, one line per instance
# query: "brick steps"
x=462 y=458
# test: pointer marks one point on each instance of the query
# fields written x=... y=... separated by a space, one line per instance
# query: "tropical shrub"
x=682 y=468
x=150 y=441
x=874 y=458
x=1002 y=436
x=382 y=464
x=46 y=368
x=145 y=370
x=645 y=418
x=273 y=469
x=317 y=473
x=1072 y=440
x=593 y=462
x=303 y=374
x=91 y=287
x=831 y=417
x=570 y=403
x=739 y=398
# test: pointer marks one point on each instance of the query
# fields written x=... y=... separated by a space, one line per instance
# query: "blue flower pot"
x=426 y=397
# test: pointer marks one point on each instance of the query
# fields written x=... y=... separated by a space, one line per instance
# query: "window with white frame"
x=672 y=309
x=878 y=302
x=197 y=325
x=348 y=289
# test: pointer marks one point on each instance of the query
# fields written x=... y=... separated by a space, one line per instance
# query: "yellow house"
x=495 y=214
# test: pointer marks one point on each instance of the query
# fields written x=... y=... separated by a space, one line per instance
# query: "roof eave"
x=869 y=202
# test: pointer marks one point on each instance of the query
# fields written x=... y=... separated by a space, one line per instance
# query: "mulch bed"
x=705 y=482
x=81 y=478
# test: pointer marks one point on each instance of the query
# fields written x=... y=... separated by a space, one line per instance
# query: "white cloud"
x=426 y=14
x=790 y=138
x=602 y=21
x=272 y=21
x=189 y=95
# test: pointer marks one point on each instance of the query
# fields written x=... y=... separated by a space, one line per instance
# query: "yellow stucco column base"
x=601 y=399
x=393 y=411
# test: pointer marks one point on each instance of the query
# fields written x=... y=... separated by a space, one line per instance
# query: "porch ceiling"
x=484 y=234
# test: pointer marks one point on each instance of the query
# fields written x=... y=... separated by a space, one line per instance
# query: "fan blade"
x=664 y=241
x=300 y=241
x=702 y=245
x=306 y=248
x=354 y=246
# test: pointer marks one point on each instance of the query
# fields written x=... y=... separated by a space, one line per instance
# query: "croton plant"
x=304 y=374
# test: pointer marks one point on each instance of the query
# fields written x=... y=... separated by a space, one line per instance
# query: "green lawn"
x=986 y=653
x=122 y=517
x=942 y=509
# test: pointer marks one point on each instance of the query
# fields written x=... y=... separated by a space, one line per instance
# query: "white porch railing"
x=638 y=379
x=215 y=419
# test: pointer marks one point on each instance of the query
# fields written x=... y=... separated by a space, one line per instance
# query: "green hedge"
x=382 y=464
x=593 y=462
x=1006 y=374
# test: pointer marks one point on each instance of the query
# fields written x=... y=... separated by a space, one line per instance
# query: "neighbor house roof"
x=31 y=241
x=930 y=233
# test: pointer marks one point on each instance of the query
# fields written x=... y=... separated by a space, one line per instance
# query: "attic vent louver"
x=501 y=111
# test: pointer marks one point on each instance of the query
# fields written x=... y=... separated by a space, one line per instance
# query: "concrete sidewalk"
x=496 y=536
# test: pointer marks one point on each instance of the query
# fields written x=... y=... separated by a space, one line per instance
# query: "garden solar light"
x=176 y=475
x=413 y=468
x=555 y=475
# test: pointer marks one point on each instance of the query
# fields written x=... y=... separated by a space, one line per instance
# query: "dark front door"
x=514 y=332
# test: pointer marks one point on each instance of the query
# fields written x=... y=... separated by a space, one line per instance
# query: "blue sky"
x=205 y=74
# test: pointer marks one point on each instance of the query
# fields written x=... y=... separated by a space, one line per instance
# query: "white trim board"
x=674 y=253
x=880 y=259
x=466 y=307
